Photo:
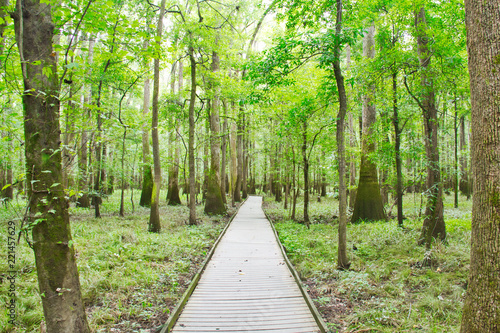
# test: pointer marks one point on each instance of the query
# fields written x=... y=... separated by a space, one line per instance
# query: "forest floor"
x=386 y=288
x=131 y=279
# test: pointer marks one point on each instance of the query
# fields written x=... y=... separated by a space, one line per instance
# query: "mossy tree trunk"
x=214 y=204
x=147 y=174
x=369 y=202
x=154 y=224
x=481 y=311
x=58 y=279
x=433 y=226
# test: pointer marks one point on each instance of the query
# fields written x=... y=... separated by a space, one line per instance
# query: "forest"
x=132 y=130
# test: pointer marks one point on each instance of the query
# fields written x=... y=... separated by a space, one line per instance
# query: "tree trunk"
x=305 y=160
x=481 y=311
x=58 y=280
x=368 y=204
x=173 y=176
x=223 y=184
x=455 y=162
x=192 y=170
x=342 y=261
x=277 y=175
x=239 y=168
x=433 y=227
x=154 y=216
x=234 y=163
x=294 y=187
x=244 y=172
x=147 y=174
x=397 y=148
x=214 y=204
x=465 y=187
x=352 y=162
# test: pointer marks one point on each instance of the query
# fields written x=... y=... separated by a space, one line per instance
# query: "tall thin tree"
x=154 y=217
x=342 y=261
x=433 y=226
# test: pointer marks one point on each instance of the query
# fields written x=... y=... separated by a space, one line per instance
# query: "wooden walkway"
x=247 y=285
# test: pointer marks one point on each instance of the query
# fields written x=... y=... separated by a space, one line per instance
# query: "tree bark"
x=342 y=261
x=147 y=174
x=434 y=226
x=481 y=311
x=277 y=174
x=173 y=196
x=465 y=186
x=455 y=162
x=192 y=170
x=154 y=216
x=368 y=204
x=234 y=162
x=397 y=148
x=244 y=172
x=214 y=204
x=223 y=184
x=305 y=160
x=48 y=217
x=239 y=154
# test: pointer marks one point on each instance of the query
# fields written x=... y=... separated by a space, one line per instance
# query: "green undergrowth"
x=131 y=279
x=387 y=289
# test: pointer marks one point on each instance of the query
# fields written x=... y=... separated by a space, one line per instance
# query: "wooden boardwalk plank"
x=247 y=286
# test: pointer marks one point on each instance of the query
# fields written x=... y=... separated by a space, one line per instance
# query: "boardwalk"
x=247 y=286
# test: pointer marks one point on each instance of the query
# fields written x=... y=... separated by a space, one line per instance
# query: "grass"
x=131 y=279
x=386 y=289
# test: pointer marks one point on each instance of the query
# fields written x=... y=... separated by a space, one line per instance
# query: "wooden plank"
x=247 y=286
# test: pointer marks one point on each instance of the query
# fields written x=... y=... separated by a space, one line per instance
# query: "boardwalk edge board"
x=196 y=278
x=310 y=304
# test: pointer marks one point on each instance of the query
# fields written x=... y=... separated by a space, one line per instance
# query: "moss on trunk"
x=58 y=279
x=214 y=204
x=147 y=187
